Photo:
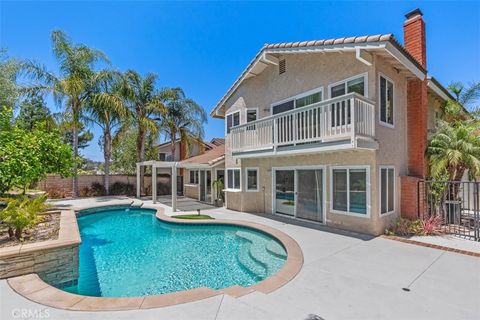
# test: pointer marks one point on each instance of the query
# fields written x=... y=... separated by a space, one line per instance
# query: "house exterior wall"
x=304 y=73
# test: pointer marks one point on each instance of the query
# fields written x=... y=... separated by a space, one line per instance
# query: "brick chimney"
x=417 y=101
x=417 y=115
x=414 y=36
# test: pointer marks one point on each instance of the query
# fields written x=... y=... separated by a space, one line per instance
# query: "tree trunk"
x=75 y=152
x=18 y=233
x=107 y=146
x=141 y=157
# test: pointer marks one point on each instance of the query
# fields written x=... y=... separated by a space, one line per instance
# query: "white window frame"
x=296 y=168
x=256 y=169
x=298 y=96
x=368 y=186
x=380 y=190
x=226 y=179
x=196 y=177
x=226 y=122
x=383 y=123
x=365 y=81
x=246 y=114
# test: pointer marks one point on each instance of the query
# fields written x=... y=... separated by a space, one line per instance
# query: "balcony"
x=345 y=122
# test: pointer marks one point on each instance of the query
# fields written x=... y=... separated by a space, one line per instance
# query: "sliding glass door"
x=285 y=192
x=299 y=193
x=310 y=195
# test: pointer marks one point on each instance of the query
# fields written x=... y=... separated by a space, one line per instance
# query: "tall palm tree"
x=466 y=102
x=453 y=149
x=183 y=119
x=107 y=110
x=144 y=102
x=75 y=83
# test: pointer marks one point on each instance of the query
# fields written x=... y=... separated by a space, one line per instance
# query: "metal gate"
x=456 y=202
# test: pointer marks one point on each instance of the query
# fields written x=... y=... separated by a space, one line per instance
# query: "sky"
x=204 y=46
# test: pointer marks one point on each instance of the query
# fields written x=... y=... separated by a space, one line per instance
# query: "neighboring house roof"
x=217 y=141
x=210 y=157
x=386 y=42
x=167 y=143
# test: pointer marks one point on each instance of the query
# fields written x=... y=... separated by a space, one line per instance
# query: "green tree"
x=453 y=149
x=34 y=114
x=9 y=69
x=108 y=111
x=124 y=152
x=144 y=102
x=183 y=119
x=466 y=103
x=75 y=83
x=28 y=156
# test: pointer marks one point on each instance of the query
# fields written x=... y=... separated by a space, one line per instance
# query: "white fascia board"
x=397 y=54
x=437 y=90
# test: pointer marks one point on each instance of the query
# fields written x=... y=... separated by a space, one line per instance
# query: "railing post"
x=352 y=121
x=275 y=134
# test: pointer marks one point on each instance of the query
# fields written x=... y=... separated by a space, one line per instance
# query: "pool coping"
x=32 y=287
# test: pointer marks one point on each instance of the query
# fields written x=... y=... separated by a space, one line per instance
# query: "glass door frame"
x=205 y=185
x=295 y=195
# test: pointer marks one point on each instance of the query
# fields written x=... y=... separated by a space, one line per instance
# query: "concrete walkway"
x=345 y=276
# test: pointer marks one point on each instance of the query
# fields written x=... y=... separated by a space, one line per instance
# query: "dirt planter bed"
x=34 y=288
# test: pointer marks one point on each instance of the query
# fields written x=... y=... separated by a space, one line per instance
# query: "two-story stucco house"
x=332 y=131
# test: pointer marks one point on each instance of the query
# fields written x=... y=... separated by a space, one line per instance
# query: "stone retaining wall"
x=55 y=261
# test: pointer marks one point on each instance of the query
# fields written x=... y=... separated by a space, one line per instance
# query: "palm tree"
x=144 y=102
x=75 y=83
x=453 y=149
x=107 y=110
x=183 y=119
x=466 y=102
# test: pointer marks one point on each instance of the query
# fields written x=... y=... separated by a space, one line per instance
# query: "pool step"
x=257 y=270
x=265 y=252
x=276 y=249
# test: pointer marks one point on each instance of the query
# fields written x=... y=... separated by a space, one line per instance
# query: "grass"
x=193 y=216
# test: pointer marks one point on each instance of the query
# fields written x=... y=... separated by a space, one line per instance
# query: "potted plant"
x=219 y=194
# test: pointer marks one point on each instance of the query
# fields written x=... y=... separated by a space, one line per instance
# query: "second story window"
x=251 y=115
x=162 y=156
x=386 y=101
x=301 y=100
x=354 y=84
x=233 y=119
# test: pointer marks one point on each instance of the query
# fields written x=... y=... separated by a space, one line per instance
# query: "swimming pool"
x=130 y=252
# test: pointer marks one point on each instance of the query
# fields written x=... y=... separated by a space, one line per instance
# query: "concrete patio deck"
x=344 y=276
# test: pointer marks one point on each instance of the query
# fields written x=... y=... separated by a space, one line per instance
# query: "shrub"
x=120 y=188
x=97 y=189
x=22 y=213
x=85 y=192
x=418 y=227
x=54 y=193
x=432 y=225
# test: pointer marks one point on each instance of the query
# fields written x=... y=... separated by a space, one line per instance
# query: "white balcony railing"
x=340 y=118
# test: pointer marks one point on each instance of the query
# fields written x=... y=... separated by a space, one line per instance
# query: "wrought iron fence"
x=456 y=202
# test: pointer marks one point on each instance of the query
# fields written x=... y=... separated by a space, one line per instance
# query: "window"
x=252 y=179
x=310 y=99
x=301 y=100
x=251 y=115
x=349 y=190
x=354 y=84
x=386 y=101
x=193 y=176
x=283 y=107
x=233 y=120
x=233 y=179
x=161 y=156
x=387 y=190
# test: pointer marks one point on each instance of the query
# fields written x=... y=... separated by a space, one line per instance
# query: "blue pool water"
x=128 y=253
